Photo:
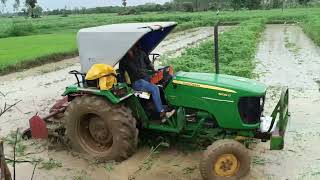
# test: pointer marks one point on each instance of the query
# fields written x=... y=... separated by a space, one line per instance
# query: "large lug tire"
x=100 y=129
x=225 y=160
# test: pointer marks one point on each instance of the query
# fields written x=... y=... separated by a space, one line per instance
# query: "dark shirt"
x=137 y=67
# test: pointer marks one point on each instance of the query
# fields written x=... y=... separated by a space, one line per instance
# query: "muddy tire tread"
x=217 y=146
x=122 y=123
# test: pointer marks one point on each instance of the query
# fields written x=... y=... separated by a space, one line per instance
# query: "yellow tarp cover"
x=105 y=73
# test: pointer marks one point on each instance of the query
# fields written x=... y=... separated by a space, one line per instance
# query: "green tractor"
x=104 y=124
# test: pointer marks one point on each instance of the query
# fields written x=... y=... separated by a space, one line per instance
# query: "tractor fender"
x=74 y=90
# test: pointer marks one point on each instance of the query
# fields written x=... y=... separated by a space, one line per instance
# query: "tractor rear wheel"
x=225 y=160
x=100 y=129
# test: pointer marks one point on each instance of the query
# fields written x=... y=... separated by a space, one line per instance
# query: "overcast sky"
x=54 y=4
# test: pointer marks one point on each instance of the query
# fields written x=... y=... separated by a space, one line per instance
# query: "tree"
x=37 y=12
x=16 y=5
x=31 y=4
x=169 y=6
x=237 y=4
x=124 y=3
x=303 y=2
x=187 y=6
x=276 y=3
x=253 y=4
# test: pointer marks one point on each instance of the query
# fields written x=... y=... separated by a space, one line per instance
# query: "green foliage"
x=311 y=27
x=253 y=4
x=37 y=11
x=187 y=6
x=110 y=166
x=18 y=28
x=128 y=12
x=250 y=4
x=236 y=51
x=11 y=140
x=57 y=24
x=53 y=37
x=50 y=164
x=21 y=52
x=276 y=3
x=304 y=2
x=31 y=3
x=124 y=3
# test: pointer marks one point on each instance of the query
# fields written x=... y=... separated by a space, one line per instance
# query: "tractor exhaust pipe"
x=216 y=47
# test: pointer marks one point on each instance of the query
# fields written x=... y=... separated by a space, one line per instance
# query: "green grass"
x=311 y=26
x=50 y=164
x=21 y=52
x=72 y=23
x=52 y=38
x=11 y=140
x=236 y=51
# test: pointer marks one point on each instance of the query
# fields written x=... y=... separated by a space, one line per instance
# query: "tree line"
x=183 y=5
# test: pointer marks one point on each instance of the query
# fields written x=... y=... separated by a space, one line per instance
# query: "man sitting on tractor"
x=137 y=64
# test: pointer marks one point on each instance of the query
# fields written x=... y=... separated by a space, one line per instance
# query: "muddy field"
x=285 y=57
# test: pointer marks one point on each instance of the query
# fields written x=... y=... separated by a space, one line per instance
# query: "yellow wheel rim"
x=227 y=165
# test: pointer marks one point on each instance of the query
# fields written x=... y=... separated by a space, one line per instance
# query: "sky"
x=54 y=4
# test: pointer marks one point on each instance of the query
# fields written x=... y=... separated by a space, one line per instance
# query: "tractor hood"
x=221 y=82
x=108 y=44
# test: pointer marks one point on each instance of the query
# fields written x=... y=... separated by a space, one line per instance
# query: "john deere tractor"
x=104 y=114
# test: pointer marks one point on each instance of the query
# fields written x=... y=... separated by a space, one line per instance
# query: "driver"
x=137 y=63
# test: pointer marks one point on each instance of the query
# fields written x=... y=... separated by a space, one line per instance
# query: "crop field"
x=59 y=33
x=274 y=47
x=237 y=48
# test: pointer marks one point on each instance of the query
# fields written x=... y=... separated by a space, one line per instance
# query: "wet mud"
x=287 y=57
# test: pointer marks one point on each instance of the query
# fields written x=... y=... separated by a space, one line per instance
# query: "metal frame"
x=282 y=112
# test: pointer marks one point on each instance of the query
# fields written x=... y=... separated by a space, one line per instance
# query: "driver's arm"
x=148 y=62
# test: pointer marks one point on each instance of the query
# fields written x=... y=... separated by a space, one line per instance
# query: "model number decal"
x=225 y=95
x=203 y=86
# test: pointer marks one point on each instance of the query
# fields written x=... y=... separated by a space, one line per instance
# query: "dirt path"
x=40 y=87
x=287 y=57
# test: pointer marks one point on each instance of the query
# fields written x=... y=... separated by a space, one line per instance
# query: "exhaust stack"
x=216 y=47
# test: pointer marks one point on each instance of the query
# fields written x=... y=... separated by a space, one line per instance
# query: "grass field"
x=34 y=50
x=236 y=50
x=54 y=36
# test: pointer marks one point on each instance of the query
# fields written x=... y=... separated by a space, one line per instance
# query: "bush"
x=128 y=12
x=187 y=6
x=20 y=29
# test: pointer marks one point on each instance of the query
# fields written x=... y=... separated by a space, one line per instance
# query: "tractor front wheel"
x=100 y=129
x=225 y=160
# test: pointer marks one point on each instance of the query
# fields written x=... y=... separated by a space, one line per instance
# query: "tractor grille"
x=250 y=109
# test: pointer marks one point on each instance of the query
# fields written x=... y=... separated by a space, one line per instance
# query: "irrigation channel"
x=285 y=56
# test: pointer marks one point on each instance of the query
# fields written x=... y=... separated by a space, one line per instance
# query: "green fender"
x=104 y=93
